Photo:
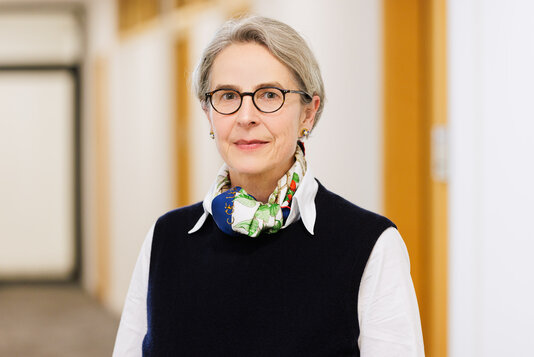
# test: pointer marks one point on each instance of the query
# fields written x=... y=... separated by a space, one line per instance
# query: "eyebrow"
x=237 y=88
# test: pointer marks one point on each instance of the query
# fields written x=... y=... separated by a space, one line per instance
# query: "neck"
x=259 y=185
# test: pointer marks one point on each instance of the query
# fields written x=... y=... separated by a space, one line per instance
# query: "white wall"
x=140 y=131
x=491 y=52
x=345 y=149
x=141 y=149
x=31 y=37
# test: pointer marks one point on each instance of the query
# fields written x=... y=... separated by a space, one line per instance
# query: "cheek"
x=291 y=130
x=222 y=128
x=286 y=136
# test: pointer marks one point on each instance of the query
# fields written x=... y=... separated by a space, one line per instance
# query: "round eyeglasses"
x=266 y=99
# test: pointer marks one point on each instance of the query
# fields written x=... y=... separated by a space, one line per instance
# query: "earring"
x=304 y=133
x=212 y=134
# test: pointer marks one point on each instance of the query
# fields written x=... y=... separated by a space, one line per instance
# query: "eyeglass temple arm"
x=297 y=91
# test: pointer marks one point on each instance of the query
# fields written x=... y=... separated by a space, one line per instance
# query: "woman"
x=270 y=263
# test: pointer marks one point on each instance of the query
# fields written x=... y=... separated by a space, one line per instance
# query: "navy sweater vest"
x=284 y=294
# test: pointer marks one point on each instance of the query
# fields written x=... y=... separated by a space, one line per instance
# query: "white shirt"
x=387 y=307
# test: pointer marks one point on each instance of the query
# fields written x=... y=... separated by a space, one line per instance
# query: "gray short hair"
x=280 y=39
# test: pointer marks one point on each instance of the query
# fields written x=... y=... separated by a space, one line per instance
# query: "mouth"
x=250 y=144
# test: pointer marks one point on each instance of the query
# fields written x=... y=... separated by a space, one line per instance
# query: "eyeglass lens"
x=227 y=101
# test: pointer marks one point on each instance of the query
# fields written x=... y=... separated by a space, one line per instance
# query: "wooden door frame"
x=414 y=103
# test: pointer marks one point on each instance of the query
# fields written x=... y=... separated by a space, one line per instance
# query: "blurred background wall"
x=491 y=51
x=428 y=110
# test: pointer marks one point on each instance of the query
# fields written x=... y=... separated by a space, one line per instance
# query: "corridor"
x=53 y=321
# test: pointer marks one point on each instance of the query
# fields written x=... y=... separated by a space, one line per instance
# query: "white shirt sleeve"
x=387 y=306
x=133 y=325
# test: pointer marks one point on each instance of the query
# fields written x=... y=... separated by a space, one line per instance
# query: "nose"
x=247 y=114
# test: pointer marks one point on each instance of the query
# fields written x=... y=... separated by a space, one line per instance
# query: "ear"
x=310 y=109
x=207 y=112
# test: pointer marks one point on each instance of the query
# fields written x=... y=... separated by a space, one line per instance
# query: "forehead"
x=247 y=65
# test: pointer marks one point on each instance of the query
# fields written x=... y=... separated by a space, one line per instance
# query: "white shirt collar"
x=302 y=205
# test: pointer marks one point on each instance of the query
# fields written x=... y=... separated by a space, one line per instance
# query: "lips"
x=250 y=144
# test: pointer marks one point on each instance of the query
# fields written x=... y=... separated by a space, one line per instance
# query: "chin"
x=251 y=169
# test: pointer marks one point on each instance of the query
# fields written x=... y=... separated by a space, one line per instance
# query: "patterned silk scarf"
x=237 y=212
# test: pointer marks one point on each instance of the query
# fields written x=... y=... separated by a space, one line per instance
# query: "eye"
x=228 y=95
x=269 y=94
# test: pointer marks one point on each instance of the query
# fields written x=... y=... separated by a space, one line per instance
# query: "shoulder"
x=172 y=225
x=334 y=207
x=180 y=217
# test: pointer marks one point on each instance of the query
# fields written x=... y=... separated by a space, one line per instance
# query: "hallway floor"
x=53 y=321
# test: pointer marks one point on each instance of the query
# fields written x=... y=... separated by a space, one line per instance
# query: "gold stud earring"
x=304 y=133
x=212 y=134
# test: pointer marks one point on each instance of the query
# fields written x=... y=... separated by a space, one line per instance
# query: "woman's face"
x=251 y=142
